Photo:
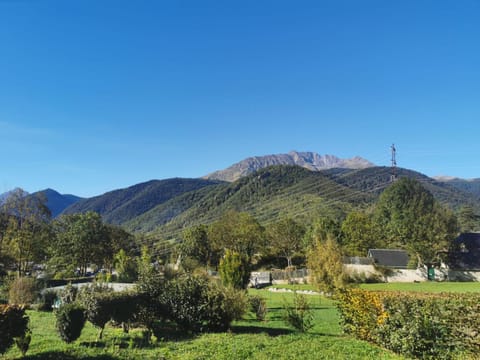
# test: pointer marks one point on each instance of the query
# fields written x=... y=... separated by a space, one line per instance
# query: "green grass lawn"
x=248 y=339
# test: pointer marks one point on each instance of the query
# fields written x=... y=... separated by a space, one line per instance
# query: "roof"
x=389 y=257
x=466 y=255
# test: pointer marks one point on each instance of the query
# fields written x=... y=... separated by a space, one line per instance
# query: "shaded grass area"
x=248 y=339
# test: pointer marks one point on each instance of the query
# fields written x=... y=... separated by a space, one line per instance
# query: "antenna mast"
x=393 y=175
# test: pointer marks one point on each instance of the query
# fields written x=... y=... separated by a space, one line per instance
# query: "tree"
x=234 y=270
x=197 y=245
x=408 y=217
x=320 y=229
x=27 y=230
x=325 y=263
x=286 y=238
x=125 y=266
x=468 y=220
x=358 y=234
x=239 y=232
x=81 y=240
x=118 y=239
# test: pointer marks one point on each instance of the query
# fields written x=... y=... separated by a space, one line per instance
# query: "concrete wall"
x=410 y=275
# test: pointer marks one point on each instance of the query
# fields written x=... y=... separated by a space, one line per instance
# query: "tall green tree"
x=234 y=270
x=358 y=234
x=27 y=229
x=81 y=240
x=286 y=238
x=408 y=217
x=118 y=239
x=321 y=228
x=468 y=220
x=325 y=263
x=239 y=232
x=197 y=245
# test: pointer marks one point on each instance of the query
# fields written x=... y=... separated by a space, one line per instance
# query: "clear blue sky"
x=97 y=95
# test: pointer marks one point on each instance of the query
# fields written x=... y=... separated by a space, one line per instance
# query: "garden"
x=259 y=334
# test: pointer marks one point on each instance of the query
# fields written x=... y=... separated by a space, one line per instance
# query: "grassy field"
x=248 y=339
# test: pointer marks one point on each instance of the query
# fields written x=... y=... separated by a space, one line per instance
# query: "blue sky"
x=97 y=95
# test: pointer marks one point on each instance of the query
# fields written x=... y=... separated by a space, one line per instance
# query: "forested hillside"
x=282 y=191
x=119 y=206
x=164 y=208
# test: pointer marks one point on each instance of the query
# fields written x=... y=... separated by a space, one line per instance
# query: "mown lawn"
x=248 y=339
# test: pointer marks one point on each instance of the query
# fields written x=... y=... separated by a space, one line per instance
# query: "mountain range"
x=264 y=186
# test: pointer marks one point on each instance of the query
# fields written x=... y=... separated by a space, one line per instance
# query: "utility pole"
x=393 y=175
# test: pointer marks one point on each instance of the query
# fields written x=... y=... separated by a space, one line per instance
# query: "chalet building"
x=396 y=259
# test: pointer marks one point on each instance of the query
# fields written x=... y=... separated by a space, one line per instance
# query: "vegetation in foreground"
x=247 y=339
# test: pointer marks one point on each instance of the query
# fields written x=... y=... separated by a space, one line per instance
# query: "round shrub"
x=70 y=322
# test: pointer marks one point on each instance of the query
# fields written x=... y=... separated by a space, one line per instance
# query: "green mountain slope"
x=469 y=186
x=121 y=205
x=267 y=194
x=284 y=191
x=375 y=180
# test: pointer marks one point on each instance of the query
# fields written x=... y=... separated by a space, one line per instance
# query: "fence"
x=289 y=274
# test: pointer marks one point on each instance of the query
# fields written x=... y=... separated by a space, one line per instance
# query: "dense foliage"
x=70 y=319
x=409 y=217
x=13 y=324
x=192 y=302
x=234 y=270
x=102 y=306
x=325 y=262
x=419 y=325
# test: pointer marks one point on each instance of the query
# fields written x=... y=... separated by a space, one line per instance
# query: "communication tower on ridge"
x=393 y=175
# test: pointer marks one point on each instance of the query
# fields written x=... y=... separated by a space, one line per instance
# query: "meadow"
x=248 y=339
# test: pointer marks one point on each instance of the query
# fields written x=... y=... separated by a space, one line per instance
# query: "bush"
x=195 y=304
x=102 y=305
x=258 y=306
x=426 y=326
x=361 y=312
x=23 y=290
x=234 y=270
x=47 y=300
x=13 y=324
x=23 y=342
x=69 y=294
x=222 y=306
x=70 y=321
x=300 y=316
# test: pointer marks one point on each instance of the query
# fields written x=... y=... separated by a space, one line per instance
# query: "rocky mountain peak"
x=309 y=160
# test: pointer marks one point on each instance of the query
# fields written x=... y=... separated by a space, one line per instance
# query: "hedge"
x=426 y=326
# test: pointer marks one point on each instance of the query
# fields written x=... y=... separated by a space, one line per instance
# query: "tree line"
x=406 y=216
x=67 y=245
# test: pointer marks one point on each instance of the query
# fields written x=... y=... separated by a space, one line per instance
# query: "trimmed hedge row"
x=426 y=326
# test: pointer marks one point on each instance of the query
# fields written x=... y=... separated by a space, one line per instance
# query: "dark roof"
x=466 y=253
x=389 y=258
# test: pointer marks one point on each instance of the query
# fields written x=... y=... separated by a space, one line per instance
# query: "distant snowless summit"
x=309 y=160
